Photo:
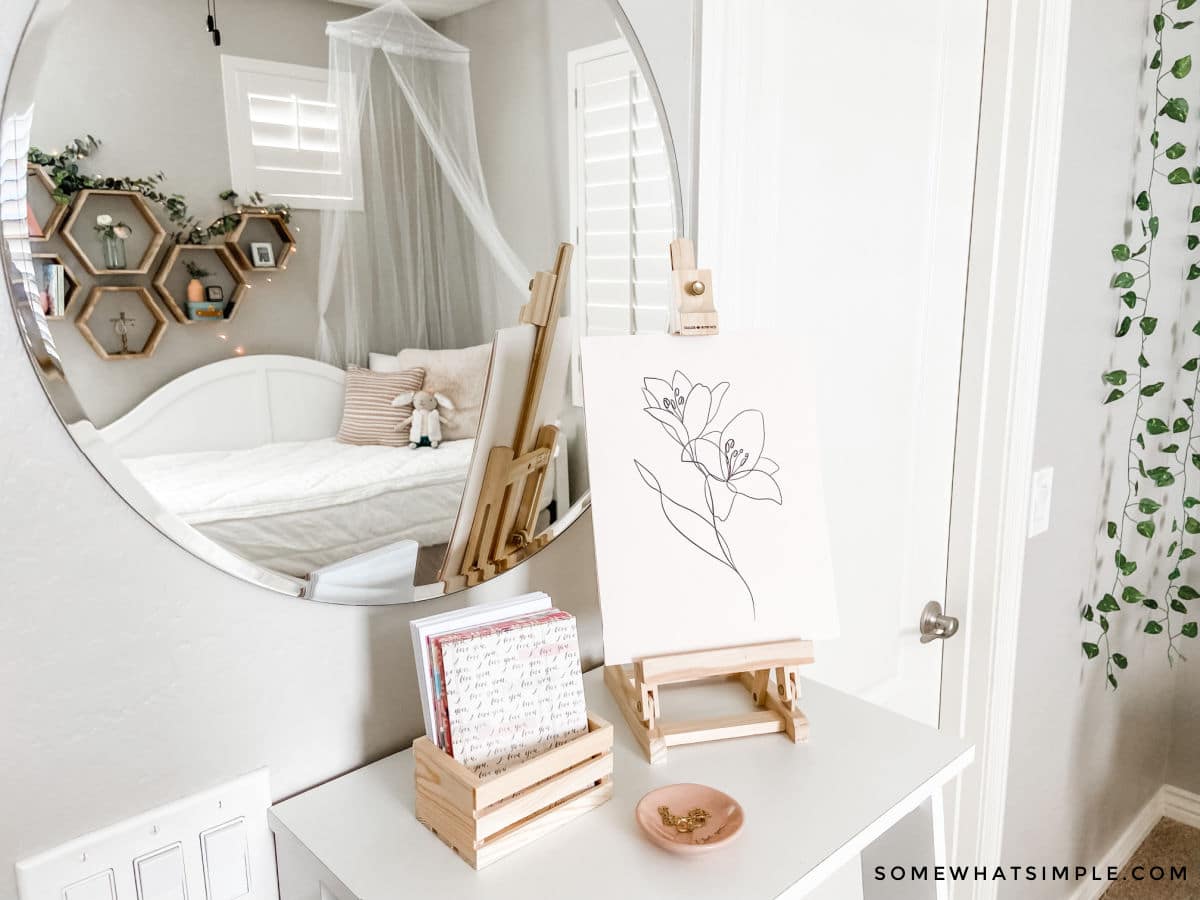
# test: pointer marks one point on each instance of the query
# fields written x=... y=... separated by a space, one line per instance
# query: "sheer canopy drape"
x=417 y=260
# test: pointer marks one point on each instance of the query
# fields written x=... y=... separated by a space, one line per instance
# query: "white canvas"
x=707 y=503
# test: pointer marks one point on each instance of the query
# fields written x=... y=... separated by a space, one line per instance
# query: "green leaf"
x=1179 y=607
x=1182 y=66
x=1175 y=151
x=1151 y=389
x=1104 y=623
x=1142 y=202
x=1120 y=252
x=1191 y=525
x=1108 y=604
x=1175 y=571
x=1191 y=364
x=1189 y=502
x=1148 y=506
x=1161 y=476
x=1156 y=60
x=1153 y=226
x=1196 y=460
x=1088 y=613
x=1189 y=630
x=1148 y=324
x=1114 y=395
x=1169 y=448
x=1159 y=22
x=1116 y=376
x=1153 y=628
x=1150 y=603
x=1112 y=529
x=1187 y=553
x=1132 y=594
x=1184 y=4
x=1176 y=108
x=1187 y=592
x=1179 y=175
x=1122 y=280
x=1119 y=661
x=1193 y=242
x=1156 y=426
x=1179 y=26
x=1091 y=650
x=1193 y=272
x=1141 y=442
x=1180 y=425
x=1112 y=680
x=1142 y=361
x=1129 y=298
x=1146 y=529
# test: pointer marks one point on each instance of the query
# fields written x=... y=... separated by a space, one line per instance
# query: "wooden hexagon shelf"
x=171 y=286
x=40 y=193
x=89 y=309
x=72 y=283
x=158 y=234
x=255 y=227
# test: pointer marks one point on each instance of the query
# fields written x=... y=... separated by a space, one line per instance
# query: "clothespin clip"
x=693 y=311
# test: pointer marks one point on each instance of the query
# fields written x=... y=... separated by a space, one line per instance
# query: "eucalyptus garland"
x=1162 y=465
x=69 y=179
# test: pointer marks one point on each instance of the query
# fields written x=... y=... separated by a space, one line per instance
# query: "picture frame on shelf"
x=214 y=293
x=262 y=255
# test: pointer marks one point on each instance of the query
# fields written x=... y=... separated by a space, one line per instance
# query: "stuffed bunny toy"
x=425 y=424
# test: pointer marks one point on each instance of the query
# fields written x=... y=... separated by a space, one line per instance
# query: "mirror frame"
x=18 y=90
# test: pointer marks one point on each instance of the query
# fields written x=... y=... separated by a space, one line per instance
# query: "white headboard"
x=235 y=404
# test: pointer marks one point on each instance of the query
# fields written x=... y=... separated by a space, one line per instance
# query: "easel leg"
x=620 y=684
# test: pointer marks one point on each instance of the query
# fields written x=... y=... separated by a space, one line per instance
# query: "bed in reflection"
x=245 y=451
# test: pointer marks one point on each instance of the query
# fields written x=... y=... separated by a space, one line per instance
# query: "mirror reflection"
x=283 y=263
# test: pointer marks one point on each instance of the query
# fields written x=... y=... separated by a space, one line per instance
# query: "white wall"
x=1084 y=760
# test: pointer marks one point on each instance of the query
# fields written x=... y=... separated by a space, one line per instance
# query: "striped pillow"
x=368 y=416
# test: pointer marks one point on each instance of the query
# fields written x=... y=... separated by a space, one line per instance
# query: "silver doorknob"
x=935 y=624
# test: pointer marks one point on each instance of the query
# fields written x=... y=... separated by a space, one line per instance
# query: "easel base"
x=775 y=701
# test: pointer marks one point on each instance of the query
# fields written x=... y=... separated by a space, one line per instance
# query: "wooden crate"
x=483 y=820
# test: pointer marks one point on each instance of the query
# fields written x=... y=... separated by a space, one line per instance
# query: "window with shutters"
x=621 y=195
x=284 y=136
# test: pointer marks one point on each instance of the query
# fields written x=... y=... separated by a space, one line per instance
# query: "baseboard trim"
x=1172 y=802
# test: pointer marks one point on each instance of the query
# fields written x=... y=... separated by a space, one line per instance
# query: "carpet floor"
x=1169 y=844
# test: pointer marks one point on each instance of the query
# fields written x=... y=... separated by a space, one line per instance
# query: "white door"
x=837 y=157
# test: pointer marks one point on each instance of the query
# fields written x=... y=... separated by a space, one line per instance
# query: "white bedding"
x=295 y=507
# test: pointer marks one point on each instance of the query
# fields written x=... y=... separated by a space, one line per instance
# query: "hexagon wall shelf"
x=89 y=309
x=178 y=305
x=158 y=234
x=39 y=181
x=68 y=276
x=284 y=242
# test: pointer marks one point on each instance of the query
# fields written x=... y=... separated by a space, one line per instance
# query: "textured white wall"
x=132 y=673
x=1084 y=760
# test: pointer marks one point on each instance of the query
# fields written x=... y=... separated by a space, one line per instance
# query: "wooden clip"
x=694 y=311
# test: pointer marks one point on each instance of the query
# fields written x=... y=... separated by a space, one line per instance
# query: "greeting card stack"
x=510 y=751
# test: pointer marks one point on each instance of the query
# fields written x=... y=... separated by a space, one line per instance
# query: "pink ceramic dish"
x=724 y=821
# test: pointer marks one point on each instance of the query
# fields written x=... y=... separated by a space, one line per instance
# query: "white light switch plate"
x=1039 y=501
x=160 y=855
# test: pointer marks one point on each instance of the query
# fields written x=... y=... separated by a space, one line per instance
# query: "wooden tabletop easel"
x=637 y=689
x=503 y=529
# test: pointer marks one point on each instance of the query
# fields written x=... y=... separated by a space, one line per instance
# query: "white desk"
x=810 y=810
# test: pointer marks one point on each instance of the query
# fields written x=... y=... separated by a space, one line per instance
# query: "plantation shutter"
x=624 y=219
x=283 y=134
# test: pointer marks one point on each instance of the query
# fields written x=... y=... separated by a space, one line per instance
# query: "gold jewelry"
x=695 y=818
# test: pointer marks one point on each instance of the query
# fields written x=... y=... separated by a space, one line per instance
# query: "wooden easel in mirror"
x=503 y=528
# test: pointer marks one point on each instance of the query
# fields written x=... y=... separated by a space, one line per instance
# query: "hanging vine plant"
x=1161 y=477
x=69 y=179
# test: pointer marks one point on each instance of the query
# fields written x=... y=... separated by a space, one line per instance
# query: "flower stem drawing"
x=729 y=458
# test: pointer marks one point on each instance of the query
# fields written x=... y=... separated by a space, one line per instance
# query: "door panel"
x=836 y=179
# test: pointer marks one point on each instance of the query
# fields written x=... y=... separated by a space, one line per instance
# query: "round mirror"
x=276 y=264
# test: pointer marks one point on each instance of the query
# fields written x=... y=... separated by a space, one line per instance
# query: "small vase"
x=114 y=253
x=195 y=290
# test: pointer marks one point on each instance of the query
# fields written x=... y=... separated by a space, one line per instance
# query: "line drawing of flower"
x=730 y=459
